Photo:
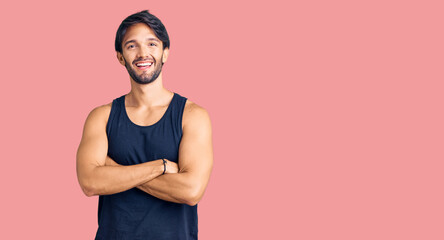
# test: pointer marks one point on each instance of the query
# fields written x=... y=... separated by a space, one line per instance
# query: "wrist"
x=157 y=167
x=160 y=167
x=164 y=163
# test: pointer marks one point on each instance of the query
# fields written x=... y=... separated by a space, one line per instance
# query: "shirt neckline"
x=148 y=126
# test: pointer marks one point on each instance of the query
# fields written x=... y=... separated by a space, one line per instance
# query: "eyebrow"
x=133 y=41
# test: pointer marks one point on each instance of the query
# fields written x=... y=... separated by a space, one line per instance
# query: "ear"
x=166 y=51
x=120 y=58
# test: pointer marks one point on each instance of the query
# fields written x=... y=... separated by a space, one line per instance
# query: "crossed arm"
x=184 y=183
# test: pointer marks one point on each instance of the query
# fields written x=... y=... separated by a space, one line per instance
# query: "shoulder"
x=195 y=116
x=95 y=123
x=100 y=114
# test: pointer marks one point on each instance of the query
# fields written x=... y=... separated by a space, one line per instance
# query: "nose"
x=143 y=52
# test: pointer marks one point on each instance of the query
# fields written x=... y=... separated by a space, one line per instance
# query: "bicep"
x=93 y=147
x=196 y=150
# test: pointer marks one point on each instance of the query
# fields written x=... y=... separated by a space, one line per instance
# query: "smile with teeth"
x=143 y=65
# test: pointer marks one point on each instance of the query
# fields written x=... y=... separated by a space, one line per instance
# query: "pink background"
x=327 y=115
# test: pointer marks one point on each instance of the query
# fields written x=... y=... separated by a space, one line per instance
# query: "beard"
x=144 y=78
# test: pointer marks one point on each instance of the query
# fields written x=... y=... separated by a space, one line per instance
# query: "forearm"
x=105 y=180
x=175 y=187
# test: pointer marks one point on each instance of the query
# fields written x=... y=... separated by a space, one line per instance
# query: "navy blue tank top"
x=134 y=214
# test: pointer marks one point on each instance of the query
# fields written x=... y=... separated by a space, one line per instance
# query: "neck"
x=148 y=95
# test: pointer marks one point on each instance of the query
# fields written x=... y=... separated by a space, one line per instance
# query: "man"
x=148 y=154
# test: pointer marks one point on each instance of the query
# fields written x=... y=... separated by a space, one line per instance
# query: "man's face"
x=142 y=54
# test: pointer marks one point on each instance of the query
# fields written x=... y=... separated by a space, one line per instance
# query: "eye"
x=131 y=46
x=152 y=44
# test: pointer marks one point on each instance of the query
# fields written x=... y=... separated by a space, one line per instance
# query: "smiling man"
x=147 y=154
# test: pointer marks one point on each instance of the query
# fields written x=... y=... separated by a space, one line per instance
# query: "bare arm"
x=195 y=162
x=94 y=177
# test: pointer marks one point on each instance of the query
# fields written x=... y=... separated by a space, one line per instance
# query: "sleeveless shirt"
x=134 y=214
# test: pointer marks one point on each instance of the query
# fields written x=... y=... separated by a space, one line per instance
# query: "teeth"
x=143 y=64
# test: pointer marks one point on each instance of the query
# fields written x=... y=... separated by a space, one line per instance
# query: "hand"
x=171 y=167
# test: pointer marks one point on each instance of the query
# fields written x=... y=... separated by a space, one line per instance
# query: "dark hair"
x=142 y=17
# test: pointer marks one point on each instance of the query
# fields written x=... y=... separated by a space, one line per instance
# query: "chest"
x=145 y=117
x=129 y=145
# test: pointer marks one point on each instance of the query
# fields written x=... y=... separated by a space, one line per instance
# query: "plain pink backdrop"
x=327 y=115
